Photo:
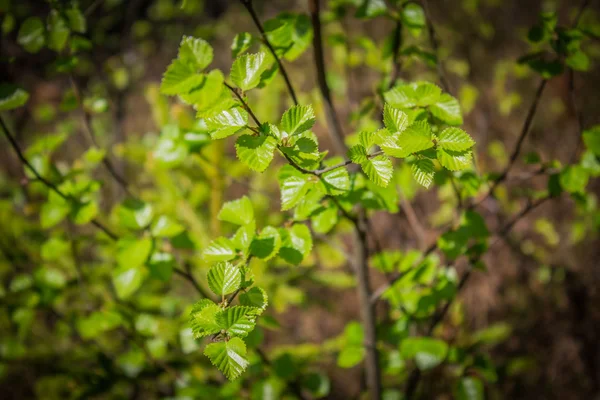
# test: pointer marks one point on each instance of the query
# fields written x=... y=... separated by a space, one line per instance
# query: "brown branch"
x=46 y=182
x=396 y=62
x=435 y=46
x=335 y=129
x=249 y=6
x=515 y=154
x=85 y=119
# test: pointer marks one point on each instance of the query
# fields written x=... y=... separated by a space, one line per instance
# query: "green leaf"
x=371 y=9
x=195 y=52
x=379 y=169
x=220 y=249
x=336 y=181
x=247 y=70
x=574 y=179
x=591 y=138
x=12 y=96
x=298 y=119
x=135 y=214
x=76 y=20
x=228 y=357
x=127 y=280
x=417 y=137
x=423 y=171
x=421 y=94
x=290 y=34
x=266 y=245
x=165 y=226
x=395 y=120
x=239 y=212
x=32 y=35
x=241 y=43
x=203 y=318
x=224 y=278
x=83 y=213
x=256 y=151
x=53 y=213
x=236 y=320
x=470 y=388
x=255 y=297
x=98 y=322
x=325 y=220
x=350 y=356
x=58 y=31
x=227 y=123
x=180 y=78
x=161 y=265
x=427 y=352
x=447 y=110
x=413 y=16
x=296 y=243
x=454 y=160
x=455 y=139
x=132 y=252
x=293 y=189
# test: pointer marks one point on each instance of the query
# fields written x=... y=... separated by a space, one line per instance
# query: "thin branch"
x=435 y=46
x=515 y=154
x=335 y=129
x=46 y=182
x=249 y=6
x=85 y=119
x=578 y=113
x=396 y=46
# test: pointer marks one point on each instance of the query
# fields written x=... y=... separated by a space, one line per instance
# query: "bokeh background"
x=540 y=291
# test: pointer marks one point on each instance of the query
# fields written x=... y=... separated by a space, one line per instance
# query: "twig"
x=396 y=62
x=249 y=6
x=515 y=154
x=335 y=129
x=435 y=46
x=46 y=182
x=85 y=119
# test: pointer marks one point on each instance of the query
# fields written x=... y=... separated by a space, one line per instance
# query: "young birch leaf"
x=426 y=93
x=247 y=69
x=296 y=243
x=455 y=139
x=195 y=52
x=427 y=352
x=203 y=318
x=423 y=171
x=32 y=35
x=266 y=245
x=236 y=320
x=241 y=43
x=220 y=249
x=293 y=189
x=447 y=109
x=470 y=388
x=298 y=119
x=591 y=138
x=256 y=151
x=400 y=97
x=325 y=220
x=127 y=280
x=417 y=137
x=574 y=179
x=395 y=120
x=180 y=78
x=379 y=170
x=256 y=298
x=454 y=160
x=239 y=212
x=12 y=96
x=228 y=357
x=227 y=122
x=336 y=181
x=224 y=278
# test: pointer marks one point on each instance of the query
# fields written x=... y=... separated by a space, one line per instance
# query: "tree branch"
x=249 y=6
x=335 y=129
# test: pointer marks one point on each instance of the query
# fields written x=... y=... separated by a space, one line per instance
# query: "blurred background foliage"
x=83 y=317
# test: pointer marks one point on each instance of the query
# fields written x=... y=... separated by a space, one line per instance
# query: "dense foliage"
x=162 y=288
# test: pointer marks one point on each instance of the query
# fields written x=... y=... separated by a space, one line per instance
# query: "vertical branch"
x=335 y=129
x=435 y=46
x=249 y=6
x=85 y=120
x=367 y=309
x=396 y=63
